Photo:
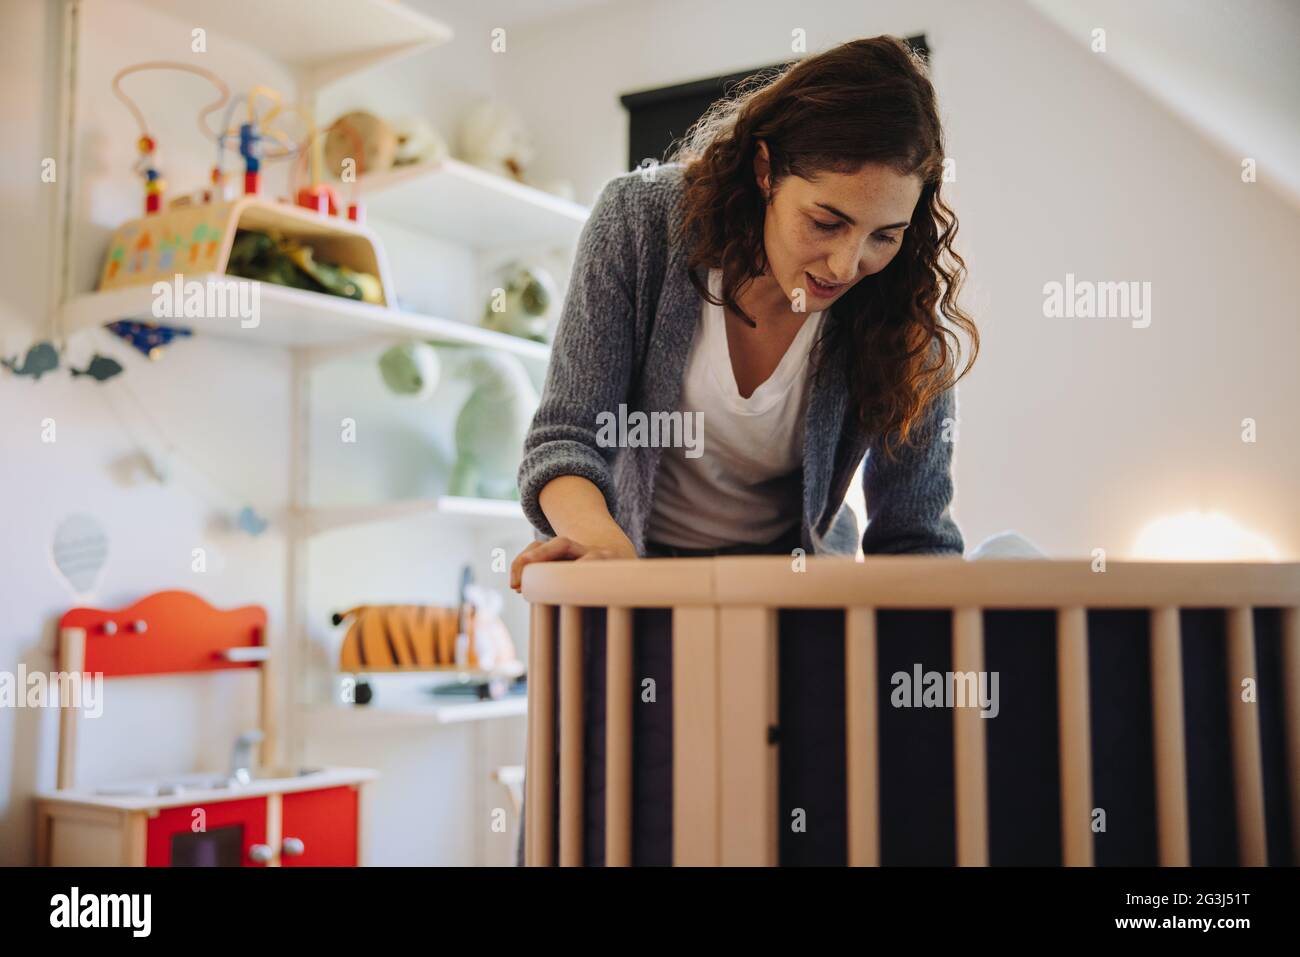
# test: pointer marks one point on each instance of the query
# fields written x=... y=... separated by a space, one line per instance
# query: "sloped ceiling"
x=1230 y=68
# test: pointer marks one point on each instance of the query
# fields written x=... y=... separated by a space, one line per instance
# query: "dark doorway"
x=658 y=117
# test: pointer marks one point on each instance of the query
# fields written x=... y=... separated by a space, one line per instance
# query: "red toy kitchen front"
x=313 y=828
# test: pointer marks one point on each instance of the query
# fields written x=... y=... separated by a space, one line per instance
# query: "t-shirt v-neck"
x=742 y=483
x=718 y=356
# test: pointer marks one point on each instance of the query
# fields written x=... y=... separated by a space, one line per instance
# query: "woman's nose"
x=843 y=262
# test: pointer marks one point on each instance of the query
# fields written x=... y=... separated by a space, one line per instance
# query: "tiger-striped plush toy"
x=400 y=637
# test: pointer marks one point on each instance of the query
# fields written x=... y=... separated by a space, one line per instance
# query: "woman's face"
x=834 y=229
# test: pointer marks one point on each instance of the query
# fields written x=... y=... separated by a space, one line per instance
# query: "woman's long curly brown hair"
x=866 y=101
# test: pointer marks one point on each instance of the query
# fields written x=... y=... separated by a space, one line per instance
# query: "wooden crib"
x=1166 y=662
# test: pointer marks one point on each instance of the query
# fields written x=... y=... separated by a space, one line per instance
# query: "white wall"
x=1075 y=432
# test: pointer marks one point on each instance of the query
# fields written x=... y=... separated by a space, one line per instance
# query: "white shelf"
x=336 y=719
x=296 y=317
x=320 y=40
x=327 y=518
x=460 y=203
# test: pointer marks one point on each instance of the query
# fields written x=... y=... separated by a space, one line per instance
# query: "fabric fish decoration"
x=101 y=368
x=250 y=522
x=146 y=336
x=41 y=358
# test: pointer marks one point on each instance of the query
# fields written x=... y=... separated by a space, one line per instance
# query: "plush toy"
x=418 y=142
x=494 y=138
x=524 y=305
x=390 y=637
x=365 y=139
x=412 y=368
x=493 y=648
x=492 y=425
x=422 y=637
x=1007 y=544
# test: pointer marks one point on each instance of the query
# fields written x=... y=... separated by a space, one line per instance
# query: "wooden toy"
x=270 y=817
x=147 y=165
x=195 y=241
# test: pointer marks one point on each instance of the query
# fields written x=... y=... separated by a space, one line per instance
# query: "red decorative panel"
x=181 y=633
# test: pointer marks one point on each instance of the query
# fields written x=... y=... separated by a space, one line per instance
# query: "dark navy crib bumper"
x=916 y=746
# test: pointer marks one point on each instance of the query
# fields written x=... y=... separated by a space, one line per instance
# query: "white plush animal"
x=494 y=138
x=1006 y=544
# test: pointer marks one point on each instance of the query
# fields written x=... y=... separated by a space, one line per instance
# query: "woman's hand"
x=566 y=549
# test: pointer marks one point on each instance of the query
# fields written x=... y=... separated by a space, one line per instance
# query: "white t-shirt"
x=745 y=485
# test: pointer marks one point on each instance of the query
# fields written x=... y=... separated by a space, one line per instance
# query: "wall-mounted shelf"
x=294 y=317
x=461 y=203
x=327 y=518
x=336 y=719
x=320 y=40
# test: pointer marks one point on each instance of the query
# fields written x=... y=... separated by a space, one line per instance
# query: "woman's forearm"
x=576 y=509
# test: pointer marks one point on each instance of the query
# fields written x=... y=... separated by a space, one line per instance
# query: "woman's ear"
x=763 y=170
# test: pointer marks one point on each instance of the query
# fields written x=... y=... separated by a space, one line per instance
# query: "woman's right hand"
x=566 y=549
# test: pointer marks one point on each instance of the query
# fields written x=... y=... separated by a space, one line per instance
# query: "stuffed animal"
x=423 y=637
x=524 y=305
x=392 y=637
x=418 y=142
x=494 y=138
x=494 y=649
x=411 y=368
x=365 y=139
x=492 y=425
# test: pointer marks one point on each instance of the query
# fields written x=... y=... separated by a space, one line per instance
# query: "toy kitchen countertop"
x=189 y=790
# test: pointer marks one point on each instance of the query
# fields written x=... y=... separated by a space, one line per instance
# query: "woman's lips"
x=821 y=289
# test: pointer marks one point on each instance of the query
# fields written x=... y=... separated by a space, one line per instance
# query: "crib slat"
x=539 y=835
x=571 y=728
x=862 y=736
x=695 y=736
x=968 y=744
x=1247 y=755
x=1075 y=736
x=1170 y=743
x=619 y=687
x=1291 y=686
x=747 y=676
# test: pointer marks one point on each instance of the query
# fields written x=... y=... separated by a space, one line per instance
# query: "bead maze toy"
x=147 y=165
x=193 y=234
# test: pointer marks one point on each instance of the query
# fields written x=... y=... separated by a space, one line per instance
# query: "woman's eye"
x=885 y=240
x=826 y=227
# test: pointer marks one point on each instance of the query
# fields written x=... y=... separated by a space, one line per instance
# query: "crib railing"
x=725 y=693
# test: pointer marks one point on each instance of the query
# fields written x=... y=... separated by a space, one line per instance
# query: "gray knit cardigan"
x=623 y=337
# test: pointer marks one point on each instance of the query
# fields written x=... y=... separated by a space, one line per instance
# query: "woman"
x=777 y=284
x=773 y=295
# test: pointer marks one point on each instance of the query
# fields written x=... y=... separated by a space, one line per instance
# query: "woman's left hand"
x=566 y=549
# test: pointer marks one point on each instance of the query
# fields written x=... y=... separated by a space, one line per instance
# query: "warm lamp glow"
x=1201 y=536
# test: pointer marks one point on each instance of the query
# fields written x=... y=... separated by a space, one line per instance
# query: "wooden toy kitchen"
x=248 y=816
